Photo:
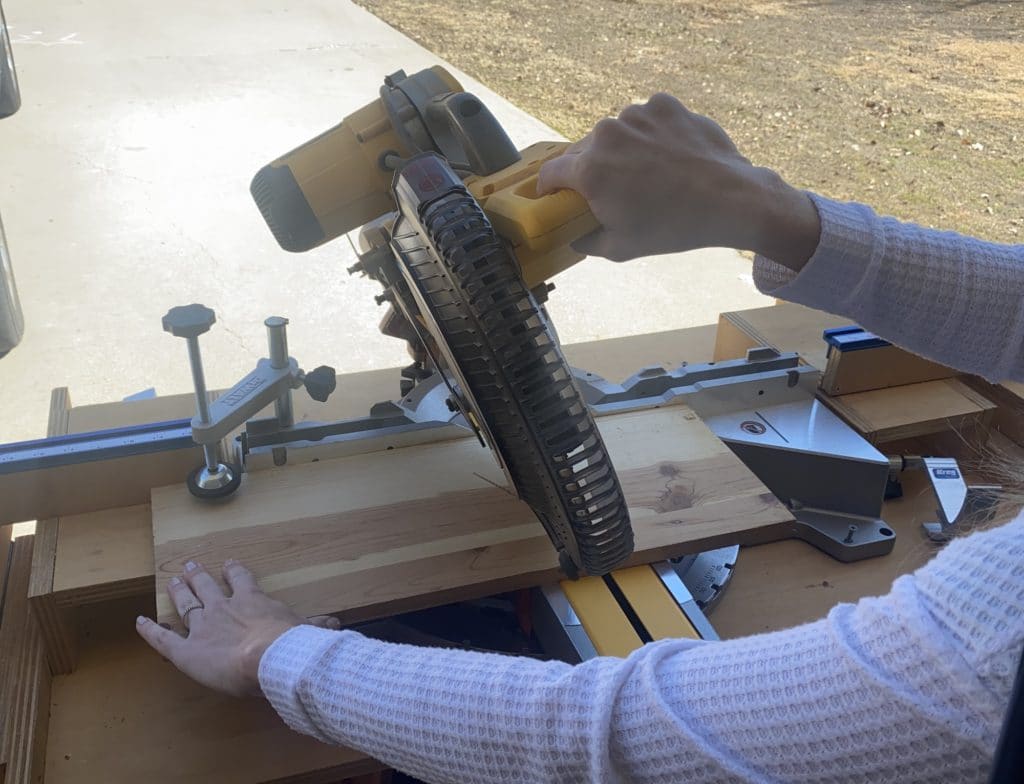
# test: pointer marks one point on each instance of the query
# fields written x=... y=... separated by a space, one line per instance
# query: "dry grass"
x=914 y=107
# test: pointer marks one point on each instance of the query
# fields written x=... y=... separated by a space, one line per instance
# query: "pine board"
x=390 y=531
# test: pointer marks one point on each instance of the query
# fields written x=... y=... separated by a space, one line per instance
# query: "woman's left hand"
x=227 y=635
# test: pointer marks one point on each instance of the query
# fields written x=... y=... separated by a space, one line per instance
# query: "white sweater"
x=911 y=686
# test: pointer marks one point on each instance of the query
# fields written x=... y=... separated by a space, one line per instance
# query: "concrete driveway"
x=124 y=191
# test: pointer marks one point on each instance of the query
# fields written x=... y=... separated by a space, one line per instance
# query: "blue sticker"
x=945 y=473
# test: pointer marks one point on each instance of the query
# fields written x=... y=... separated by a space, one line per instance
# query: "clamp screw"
x=380 y=299
x=320 y=383
x=213 y=479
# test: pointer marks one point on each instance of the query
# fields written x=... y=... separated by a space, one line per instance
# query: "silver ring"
x=187 y=610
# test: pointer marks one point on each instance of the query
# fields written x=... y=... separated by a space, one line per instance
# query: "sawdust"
x=914 y=107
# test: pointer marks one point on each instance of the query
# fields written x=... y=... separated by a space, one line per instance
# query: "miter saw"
x=453 y=229
x=455 y=232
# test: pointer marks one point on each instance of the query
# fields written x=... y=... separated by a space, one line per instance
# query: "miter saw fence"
x=457 y=291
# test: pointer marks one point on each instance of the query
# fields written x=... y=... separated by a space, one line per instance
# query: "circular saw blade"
x=494 y=345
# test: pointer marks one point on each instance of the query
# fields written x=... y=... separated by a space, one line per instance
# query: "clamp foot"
x=207 y=484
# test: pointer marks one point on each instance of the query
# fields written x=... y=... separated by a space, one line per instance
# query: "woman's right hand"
x=661 y=179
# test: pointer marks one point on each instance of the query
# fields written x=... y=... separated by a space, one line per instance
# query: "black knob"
x=320 y=383
x=189 y=321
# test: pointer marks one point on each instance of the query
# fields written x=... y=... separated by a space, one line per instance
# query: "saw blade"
x=496 y=349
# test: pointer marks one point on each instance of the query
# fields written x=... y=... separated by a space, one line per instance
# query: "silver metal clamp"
x=271 y=381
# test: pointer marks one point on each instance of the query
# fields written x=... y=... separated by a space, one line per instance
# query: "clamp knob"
x=320 y=383
x=189 y=321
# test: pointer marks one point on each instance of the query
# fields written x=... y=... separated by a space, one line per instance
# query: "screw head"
x=189 y=321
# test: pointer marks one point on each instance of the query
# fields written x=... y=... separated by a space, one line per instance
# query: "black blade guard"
x=498 y=353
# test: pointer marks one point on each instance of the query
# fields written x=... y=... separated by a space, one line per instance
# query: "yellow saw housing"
x=341 y=180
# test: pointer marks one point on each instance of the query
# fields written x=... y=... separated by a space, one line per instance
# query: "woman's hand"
x=662 y=179
x=227 y=635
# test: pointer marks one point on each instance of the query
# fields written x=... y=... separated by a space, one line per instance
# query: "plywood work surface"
x=389 y=531
x=914 y=410
x=127 y=715
x=103 y=554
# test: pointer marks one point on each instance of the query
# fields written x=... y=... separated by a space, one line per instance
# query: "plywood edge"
x=55 y=626
x=24 y=676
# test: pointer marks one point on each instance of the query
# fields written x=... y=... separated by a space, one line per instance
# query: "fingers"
x=579 y=146
x=561 y=172
x=239 y=578
x=202 y=584
x=601 y=243
x=163 y=641
x=182 y=598
x=324 y=622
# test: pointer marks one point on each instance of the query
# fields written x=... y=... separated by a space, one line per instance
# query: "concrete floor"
x=124 y=191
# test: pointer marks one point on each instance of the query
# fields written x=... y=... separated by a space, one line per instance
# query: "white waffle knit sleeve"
x=950 y=298
x=909 y=687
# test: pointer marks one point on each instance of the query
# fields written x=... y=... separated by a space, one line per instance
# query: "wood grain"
x=884 y=415
x=384 y=532
x=102 y=556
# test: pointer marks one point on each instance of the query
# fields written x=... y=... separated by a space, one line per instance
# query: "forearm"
x=448 y=716
x=941 y=295
x=816 y=702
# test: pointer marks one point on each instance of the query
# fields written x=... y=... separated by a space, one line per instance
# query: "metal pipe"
x=277 y=340
x=211 y=452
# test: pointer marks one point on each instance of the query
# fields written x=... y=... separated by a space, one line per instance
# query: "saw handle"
x=556 y=209
x=540 y=228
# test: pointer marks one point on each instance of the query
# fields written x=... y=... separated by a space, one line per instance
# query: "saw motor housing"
x=342 y=179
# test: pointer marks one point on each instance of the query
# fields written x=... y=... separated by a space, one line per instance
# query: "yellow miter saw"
x=454 y=231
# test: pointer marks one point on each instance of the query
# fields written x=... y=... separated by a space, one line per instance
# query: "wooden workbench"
x=123 y=714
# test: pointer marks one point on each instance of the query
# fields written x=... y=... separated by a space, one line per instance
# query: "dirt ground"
x=916 y=107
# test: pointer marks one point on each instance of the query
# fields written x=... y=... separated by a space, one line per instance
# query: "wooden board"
x=24 y=677
x=786 y=327
x=862 y=370
x=914 y=410
x=390 y=531
x=126 y=715
x=1009 y=399
x=102 y=556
